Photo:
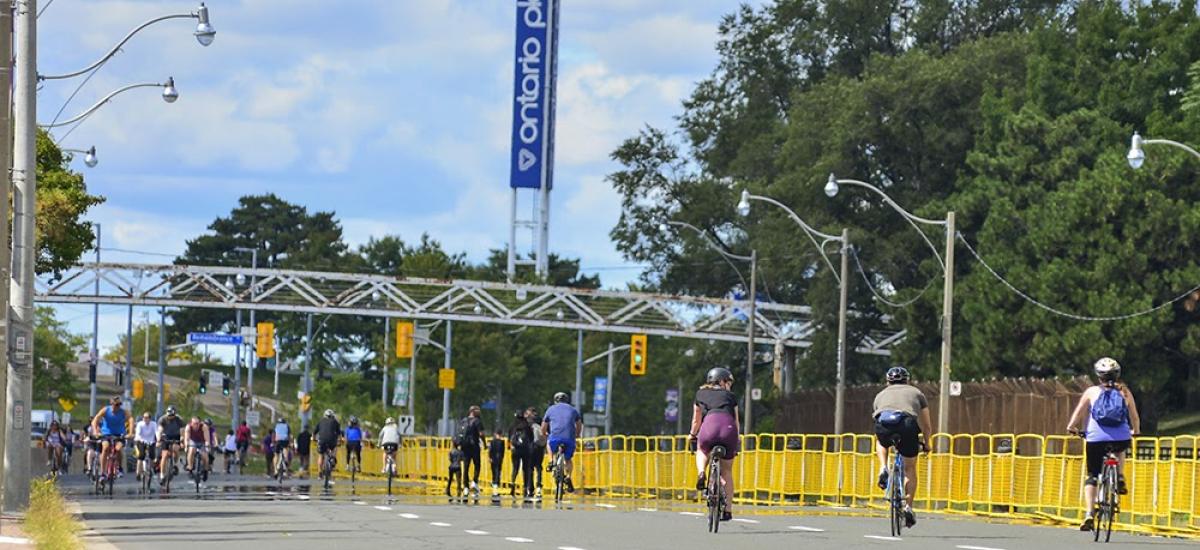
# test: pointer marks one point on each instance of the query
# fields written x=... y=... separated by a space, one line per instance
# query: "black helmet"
x=718 y=374
x=561 y=397
x=897 y=374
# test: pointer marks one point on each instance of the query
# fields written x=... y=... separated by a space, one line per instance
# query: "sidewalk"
x=11 y=535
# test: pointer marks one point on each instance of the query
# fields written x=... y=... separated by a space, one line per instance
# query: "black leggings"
x=537 y=456
x=471 y=456
x=521 y=462
x=497 y=465
x=455 y=474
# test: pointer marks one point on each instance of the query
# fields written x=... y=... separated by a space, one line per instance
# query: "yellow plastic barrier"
x=1003 y=475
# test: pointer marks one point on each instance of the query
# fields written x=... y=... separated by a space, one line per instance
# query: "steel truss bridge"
x=231 y=288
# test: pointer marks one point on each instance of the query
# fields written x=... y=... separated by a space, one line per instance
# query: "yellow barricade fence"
x=1000 y=475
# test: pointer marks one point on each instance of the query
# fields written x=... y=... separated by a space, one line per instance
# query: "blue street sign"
x=600 y=394
x=214 y=338
x=533 y=94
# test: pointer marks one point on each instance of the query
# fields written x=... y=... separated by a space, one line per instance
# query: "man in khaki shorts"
x=901 y=419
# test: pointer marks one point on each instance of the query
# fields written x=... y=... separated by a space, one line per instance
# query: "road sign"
x=445 y=379
x=400 y=389
x=66 y=419
x=593 y=419
x=66 y=404
x=756 y=394
x=253 y=418
x=955 y=389
x=214 y=378
x=18 y=412
x=214 y=338
x=671 y=413
x=600 y=394
x=405 y=424
x=249 y=332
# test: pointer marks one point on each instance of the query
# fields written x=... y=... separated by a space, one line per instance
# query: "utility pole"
x=162 y=361
x=128 y=378
x=94 y=357
x=307 y=363
x=577 y=399
x=237 y=377
x=253 y=359
x=943 y=422
x=608 y=400
x=446 y=392
x=839 y=410
x=746 y=429
x=412 y=382
x=6 y=81
x=387 y=329
x=19 y=386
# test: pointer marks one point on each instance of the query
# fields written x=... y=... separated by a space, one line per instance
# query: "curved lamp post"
x=204 y=33
x=743 y=207
x=1137 y=156
x=169 y=94
x=831 y=189
x=750 y=297
x=89 y=156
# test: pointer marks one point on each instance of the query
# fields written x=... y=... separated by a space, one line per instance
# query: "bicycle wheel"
x=1111 y=503
x=1099 y=510
x=716 y=499
x=391 y=473
x=896 y=496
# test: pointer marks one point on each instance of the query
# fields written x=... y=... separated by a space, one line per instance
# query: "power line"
x=1066 y=314
x=880 y=297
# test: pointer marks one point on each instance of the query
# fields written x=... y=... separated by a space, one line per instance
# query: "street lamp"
x=1137 y=156
x=169 y=94
x=743 y=207
x=831 y=189
x=750 y=295
x=89 y=155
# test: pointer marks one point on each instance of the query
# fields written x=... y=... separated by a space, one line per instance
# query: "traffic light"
x=226 y=385
x=305 y=403
x=139 y=388
x=637 y=354
x=203 y=382
x=404 y=340
x=266 y=340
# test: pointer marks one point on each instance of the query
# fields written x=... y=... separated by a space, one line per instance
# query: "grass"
x=264 y=379
x=47 y=522
x=1182 y=424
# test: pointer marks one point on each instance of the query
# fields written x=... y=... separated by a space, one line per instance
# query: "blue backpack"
x=1109 y=409
x=891 y=419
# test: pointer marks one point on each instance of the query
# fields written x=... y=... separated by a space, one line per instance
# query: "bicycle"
x=328 y=465
x=352 y=464
x=895 y=489
x=145 y=466
x=108 y=461
x=389 y=465
x=1108 y=494
x=714 y=493
x=559 y=466
x=281 y=465
x=196 y=466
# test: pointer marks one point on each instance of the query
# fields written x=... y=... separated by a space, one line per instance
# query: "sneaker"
x=700 y=483
x=1122 y=489
x=466 y=492
x=883 y=480
x=1087 y=524
x=537 y=493
x=570 y=486
x=910 y=519
x=726 y=515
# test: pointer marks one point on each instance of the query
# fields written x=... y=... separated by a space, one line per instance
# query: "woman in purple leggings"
x=715 y=422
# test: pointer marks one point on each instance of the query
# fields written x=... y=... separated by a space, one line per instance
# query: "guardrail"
x=1029 y=477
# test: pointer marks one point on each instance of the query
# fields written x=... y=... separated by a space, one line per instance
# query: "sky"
x=395 y=114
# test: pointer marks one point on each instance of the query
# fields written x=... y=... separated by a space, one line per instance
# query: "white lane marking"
x=697 y=514
x=517 y=539
x=14 y=540
x=303 y=497
x=439 y=524
x=603 y=505
x=475 y=532
x=270 y=493
x=877 y=537
x=969 y=547
x=410 y=516
x=647 y=509
x=805 y=529
x=569 y=548
x=360 y=503
x=746 y=520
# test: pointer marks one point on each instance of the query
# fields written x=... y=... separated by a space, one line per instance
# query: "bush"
x=47 y=522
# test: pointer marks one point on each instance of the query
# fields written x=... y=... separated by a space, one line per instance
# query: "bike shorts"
x=281 y=446
x=390 y=448
x=326 y=446
x=718 y=428
x=141 y=448
x=568 y=446
x=1095 y=451
x=908 y=431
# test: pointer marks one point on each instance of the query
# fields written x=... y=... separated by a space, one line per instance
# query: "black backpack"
x=464 y=426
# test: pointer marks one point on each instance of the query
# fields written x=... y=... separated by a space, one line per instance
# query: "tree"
x=62 y=201
x=53 y=348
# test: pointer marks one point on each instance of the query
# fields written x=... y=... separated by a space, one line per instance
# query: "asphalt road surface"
x=248 y=512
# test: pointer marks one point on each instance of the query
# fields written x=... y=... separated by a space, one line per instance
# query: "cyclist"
x=1112 y=422
x=92 y=441
x=198 y=439
x=389 y=439
x=715 y=421
x=243 y=442
x=471 y=441
x=282 y=442
x=328 y=432
x=563 y=423
x=170 y=433
x=215 y=443
x=55 y=440
x=111 y=423
x=303 y=448
x=354 y=439
x=901 y=410
x=230 y=450
x=69 y=439
x=145 y=437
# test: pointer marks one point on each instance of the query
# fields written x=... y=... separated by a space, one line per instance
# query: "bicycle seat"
x=719 y=450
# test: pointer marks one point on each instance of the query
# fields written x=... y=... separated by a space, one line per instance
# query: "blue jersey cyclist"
x=354 y=439
x=563 y=422
x=112 y=424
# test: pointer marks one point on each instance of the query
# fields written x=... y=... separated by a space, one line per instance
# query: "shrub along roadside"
x=47 y=521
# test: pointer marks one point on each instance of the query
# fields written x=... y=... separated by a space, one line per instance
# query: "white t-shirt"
x=231 y=443
x=147 y=431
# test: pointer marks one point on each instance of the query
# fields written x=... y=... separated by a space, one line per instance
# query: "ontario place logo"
x=530 y=63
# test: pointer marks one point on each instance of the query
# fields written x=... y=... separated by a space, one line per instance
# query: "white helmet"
x=390 y=420
x=328 y=413
x=1108 y=369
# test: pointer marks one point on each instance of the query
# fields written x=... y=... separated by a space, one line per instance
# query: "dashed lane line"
x=569 y=548
x=603 y=505
x=517 y=539
x=439 y=524
x=384 y=508
x=743 y=520
x=409 y=516
x=693 y=514
x=647 y=509
x=475 y=532
x=360 y=503
x=805 y=529
x=878 y=537
x=969 y=547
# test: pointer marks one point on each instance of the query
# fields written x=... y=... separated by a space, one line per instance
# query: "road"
x=245 y=511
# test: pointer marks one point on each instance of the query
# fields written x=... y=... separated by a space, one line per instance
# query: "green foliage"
x=48 y=521
x=62 y=200
x=53 y=348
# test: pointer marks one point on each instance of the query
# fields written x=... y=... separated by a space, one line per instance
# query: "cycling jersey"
x=146 y=431
x=328 y=430
x=172 y=427
x=282 y=432
x=113 y=423
x=354 y=434
x=196 y=436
